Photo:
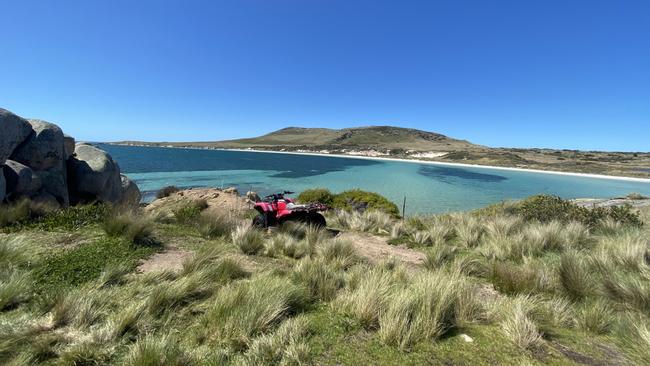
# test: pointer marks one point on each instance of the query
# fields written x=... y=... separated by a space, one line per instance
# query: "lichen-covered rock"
x=44 y=152
x=21 y=179
x=43 y=149
x=130 y=191
x=68 y=146
x=93 y=176
x=13 y=131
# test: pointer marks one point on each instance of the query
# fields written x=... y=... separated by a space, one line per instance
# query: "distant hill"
x=408 y=143
x=361 y=138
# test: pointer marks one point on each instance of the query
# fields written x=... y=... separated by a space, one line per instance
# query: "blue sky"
x=567 y=74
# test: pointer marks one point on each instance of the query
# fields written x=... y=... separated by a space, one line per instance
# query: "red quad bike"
x=275 y=209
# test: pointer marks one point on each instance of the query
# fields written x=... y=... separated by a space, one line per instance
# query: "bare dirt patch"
x=217 y=200
x=376 y=249
x=171 y=259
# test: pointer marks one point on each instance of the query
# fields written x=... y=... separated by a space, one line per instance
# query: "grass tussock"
x=371 y=221
x=157 y=350
x=321 y=278
x=134 y=228
x=574 y=276
x=340 y=253
x=368 y=293
x=245 y=309
x=425 y=310
x=248 y=239
x=212 y=225
x=285 y=346
x=596 y=317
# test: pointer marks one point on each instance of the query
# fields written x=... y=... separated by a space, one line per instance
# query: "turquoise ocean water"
x=427 y=188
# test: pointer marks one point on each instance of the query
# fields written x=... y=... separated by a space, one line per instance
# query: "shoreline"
x=418 y=161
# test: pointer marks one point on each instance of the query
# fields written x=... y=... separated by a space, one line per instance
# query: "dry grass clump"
x=628 y=291
x=248 y=239
x=79 y=308
x=212 y=225
x=518 y=318
x=371 y=221
x=245 y=309
x=595 y=317
x=15 y=288
x=629 y=252
x=636 y=339
x=16 y=259
x=321 y=278
x=438 y=256
x=469 y=231
x=134 y=228
x=340 y=253
x=200 y=281
x=426 y=309
x=503 y=226
x=528 y=278
x=575 y=279
x=520 y=329
x=368 y=293
x=285 y=346
x=156 y=350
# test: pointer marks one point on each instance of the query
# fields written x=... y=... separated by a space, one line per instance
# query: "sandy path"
x=171 y=259
x=376 y=249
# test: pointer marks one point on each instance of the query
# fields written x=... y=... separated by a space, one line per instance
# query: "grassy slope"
x=108 y=315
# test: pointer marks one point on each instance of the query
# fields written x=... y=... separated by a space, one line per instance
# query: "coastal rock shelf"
x=38 y=161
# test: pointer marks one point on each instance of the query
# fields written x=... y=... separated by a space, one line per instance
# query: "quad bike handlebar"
x=277 y=196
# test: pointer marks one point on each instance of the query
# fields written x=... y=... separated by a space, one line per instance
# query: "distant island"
x=407 y=143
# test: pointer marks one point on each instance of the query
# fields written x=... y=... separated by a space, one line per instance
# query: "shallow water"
x=427 y=188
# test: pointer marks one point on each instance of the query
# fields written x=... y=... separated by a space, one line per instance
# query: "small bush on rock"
x=167 y=191
x=320 y=195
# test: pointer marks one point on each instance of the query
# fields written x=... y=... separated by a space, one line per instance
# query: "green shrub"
x=359 y=200
x=86 y=262
x=189 y=212
x=636 y=196
x=74 y=218
x=546 y=208
x=167 y=191
x=320 y=195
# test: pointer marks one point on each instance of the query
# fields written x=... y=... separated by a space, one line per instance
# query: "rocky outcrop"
x=21 y=179
x=94 y=175
x=130 y=192
x=44 y=152
x=14 y=131
x=68 y=146
x=40 y=162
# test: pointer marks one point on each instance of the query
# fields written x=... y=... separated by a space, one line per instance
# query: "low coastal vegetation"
x=529 y=282
x=352 y=200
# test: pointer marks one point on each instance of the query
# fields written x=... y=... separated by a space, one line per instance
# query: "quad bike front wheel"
x=315 y=219
x=260 y=221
